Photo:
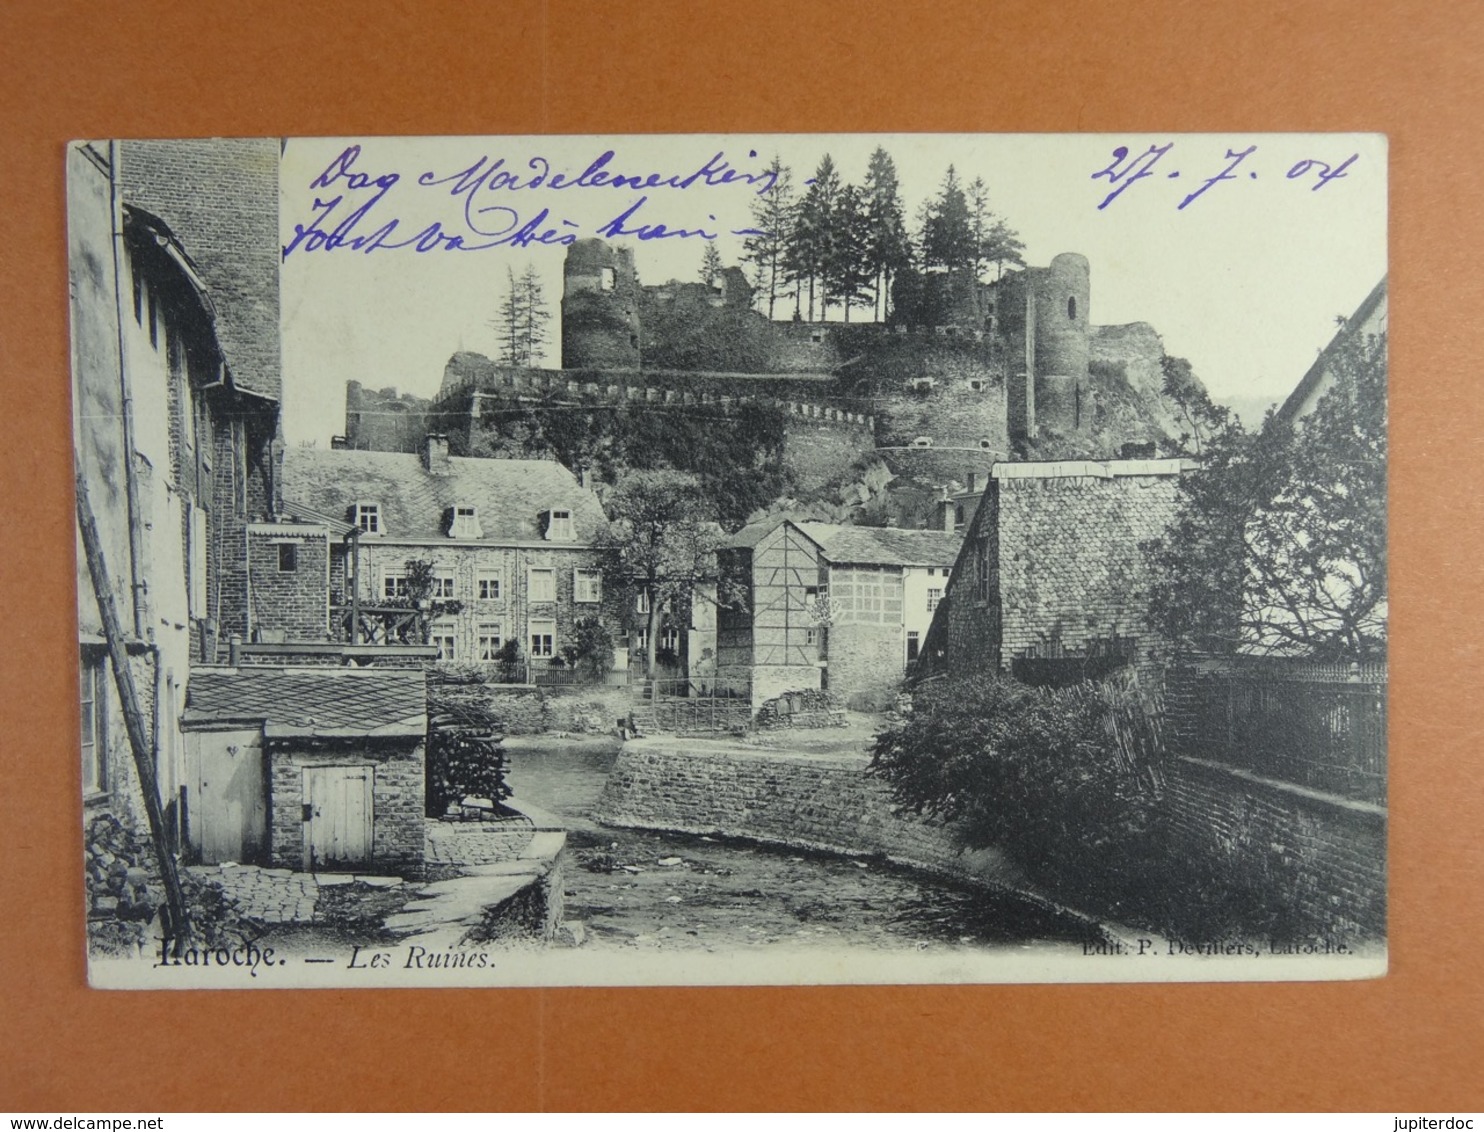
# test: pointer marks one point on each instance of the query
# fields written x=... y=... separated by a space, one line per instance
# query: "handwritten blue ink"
x=1226 y=174
x=1132 y=172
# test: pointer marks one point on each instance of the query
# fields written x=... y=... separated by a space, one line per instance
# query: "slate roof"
x=889 y=546
x=509 y=495
x=345 y=702
x=219 y=198
x=875 y=546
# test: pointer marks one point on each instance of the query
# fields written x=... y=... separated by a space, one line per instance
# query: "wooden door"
x=227 y=812
x=337 y=816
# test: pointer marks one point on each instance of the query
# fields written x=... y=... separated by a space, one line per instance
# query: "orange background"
x=1413 y=70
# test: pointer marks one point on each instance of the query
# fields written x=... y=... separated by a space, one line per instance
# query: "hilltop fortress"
x=963 y=373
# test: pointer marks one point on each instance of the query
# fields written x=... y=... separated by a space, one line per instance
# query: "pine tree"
x=981 y=221
x=773 y=219
x=536 y=316
x=509 y=319
x=522 y=318
x=847 y=268
x=888 y=249
x=948 y=237
x=813 y=233
x=1003 y=246
x=710 y=265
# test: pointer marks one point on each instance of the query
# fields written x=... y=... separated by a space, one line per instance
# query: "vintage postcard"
x=731 y=559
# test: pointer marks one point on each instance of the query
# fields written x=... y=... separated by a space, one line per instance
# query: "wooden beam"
x=179 y=928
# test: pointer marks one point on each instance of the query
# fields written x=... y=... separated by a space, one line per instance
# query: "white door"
x=337 y=816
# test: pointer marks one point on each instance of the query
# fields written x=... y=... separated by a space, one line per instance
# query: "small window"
x=986 y=443
x=489 y=640
x=288 y=557
x=913 y=644
x=977 y=384
x=93 y=681
x=641 y=602
x=393 y=586
x=559 y=529
x=1072 y=307
x=487 y=586
x=368 y=518
x=465 y=523
x=958 y=521
x=587 y=586
x=543 y=638
x=441 y=636
x=945 y=570
x=443 y=585
x=934 y=596
x=543 y=585
x=608 y=279
x=816 y=335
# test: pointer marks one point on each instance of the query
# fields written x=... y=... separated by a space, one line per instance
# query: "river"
x=673 y=891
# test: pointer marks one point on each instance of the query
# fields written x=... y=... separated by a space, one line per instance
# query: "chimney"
x=435 y=454
x=946 y=516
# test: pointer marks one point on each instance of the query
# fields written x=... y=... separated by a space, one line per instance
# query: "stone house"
x=510 y=543
x=320 y=769
x=1051 y=584
x=828 y=607
x=173 y=279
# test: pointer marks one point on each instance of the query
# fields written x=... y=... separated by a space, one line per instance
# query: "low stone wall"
x=801 y=801
x=590 y=709
x=1325 y=855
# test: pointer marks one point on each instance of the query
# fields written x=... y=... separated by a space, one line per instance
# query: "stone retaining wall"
x=801 y=801
x=1326 y=855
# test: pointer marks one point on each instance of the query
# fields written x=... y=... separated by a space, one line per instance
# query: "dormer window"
x=368 y=518
x=465 y=523
x=559 y=526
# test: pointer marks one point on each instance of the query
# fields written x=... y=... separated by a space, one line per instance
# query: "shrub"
x=1059 y=779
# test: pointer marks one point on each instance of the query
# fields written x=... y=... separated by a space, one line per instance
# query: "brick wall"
x=397 y=799
x=812 y=803
x=1326 y=858
x=220 y=198
x=294 y=602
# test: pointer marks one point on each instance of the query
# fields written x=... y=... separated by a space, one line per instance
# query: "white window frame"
x=934 y=598
x=489 y=585
x=488 y=640
x=641 y=602
x=546 y=572
x=393 y=584
x=445 y=586
x=587 y=586
x=559 y=525
x=444 y=635
x=536 y=628
x=368 y=518
x=465 y=522
x=93 y=706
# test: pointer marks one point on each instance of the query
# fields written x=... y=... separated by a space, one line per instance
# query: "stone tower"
x=600 y=307
x=1043 y=317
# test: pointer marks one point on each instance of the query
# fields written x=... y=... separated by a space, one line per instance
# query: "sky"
x=1246 y=280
